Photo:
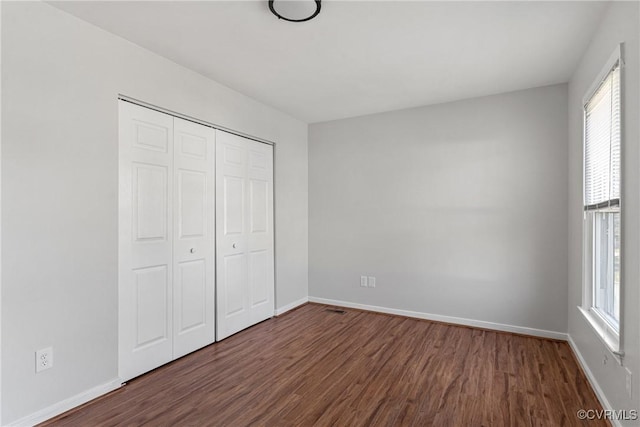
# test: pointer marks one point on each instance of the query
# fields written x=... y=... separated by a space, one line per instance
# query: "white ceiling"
x=360 y=57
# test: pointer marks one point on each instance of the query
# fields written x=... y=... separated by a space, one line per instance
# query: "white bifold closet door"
x=194 y=237
x=166 y=238
x=244 y=228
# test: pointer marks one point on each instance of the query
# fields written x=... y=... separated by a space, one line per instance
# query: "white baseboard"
x=291 y=306
x=67 y=404
x=592 y=380
x=447 y=319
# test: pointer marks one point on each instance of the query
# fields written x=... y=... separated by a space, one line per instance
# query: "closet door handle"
x=234 y=246
x=192 y=250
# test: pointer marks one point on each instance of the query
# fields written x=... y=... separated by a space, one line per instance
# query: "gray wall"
x=458 y=209
x=620 y=24
x=61 y=78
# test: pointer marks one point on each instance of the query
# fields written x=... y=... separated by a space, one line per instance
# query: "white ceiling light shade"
x=295 y=10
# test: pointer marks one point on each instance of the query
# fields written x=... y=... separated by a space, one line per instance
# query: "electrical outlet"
x=628 y=382
x=363 y=281
x=372 y=282
x=44 y=359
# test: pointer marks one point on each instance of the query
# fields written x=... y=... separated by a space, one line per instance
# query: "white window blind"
x=602 y=144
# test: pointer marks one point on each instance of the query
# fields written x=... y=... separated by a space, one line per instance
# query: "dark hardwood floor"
x=316 y=367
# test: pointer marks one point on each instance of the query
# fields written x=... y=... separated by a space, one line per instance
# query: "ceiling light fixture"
x=295 y=10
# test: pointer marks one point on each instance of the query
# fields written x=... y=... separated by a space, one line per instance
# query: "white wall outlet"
x=372 y=282
x=363 y=281
x=628 y=382
x=44 y=359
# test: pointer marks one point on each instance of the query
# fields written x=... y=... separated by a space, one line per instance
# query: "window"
x=606 y=265
x=602 y=225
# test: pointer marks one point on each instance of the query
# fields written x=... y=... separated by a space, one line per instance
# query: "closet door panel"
x=232 y=287
x=194 y=234
x=258 y=277
x=260 y=233
x=150 y=202
x=151 y=303
x=192 y=202
x=191 y=284
x=233 y=197
x=145 y=240
x=166 y=240
x=235 y=267
x=245 y=285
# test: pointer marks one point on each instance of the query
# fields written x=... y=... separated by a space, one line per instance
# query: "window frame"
x=612 y=338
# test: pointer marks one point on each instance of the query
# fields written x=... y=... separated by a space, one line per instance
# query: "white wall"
x=60 y=79
x=0 y=218
x=458 y=209
x=620 y=24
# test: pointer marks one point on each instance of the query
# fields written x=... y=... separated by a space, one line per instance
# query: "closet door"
x=145 y=321
x=166 y=239
x=193 y=242
x=244 y=229
x=260 y=231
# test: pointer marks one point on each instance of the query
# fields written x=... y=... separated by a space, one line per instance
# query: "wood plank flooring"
x=316 y=367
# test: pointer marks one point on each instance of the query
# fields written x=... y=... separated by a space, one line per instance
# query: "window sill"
x=609 y=337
